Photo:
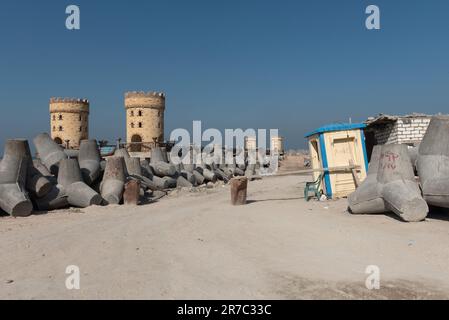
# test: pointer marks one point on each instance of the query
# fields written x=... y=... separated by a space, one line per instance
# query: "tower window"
x=140 y=125
x=81 y=118
x=159 y=113
x=61 y=128
x=132 y=113
x=54 y=117
x=132 y=124
x=159 y=125
x=81 y=129
x=140 y=113
x=54 y=128
x=60 y=117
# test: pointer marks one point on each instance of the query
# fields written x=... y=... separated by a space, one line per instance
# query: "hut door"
x=344 y=155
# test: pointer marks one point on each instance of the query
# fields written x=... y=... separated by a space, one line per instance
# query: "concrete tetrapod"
x=239 y=191
x=79 y=194
x=157 y=155
x=113 y=182
x=13 y=175
x=367 y=198
x=146 y=169
x=49 y=152
x=133 y=166
x=183 y=183
x=162 y=169
x=89 y=160
x=395 y=184
x=36 y=183
x=207 y=174
x=121 y=153
x=433 y=162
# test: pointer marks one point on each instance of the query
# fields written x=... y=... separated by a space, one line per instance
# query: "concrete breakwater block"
x=114 y=178
x=89 y=160
x=393 y=189
x=49 y=152
x=121 y=153
x=79 y=193
x=183 y=183
x=133 y=166
x=163 y=169
x=132 y=193
x=54 y=200
x=208 y=175
x=239 y=190
x=367 y=199
x=158 y=155
x=433 y=162
x=146 y=169
x=14 y=199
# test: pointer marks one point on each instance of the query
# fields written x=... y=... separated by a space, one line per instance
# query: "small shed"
x=338 y=151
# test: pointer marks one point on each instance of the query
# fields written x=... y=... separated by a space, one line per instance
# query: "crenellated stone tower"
x=144 y=116
x=69 y=121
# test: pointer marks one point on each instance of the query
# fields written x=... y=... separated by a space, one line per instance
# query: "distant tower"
x=277 y=145
x=69 y=121
x=144 y=117
x=250 y=143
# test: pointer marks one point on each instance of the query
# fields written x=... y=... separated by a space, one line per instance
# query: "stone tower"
x=69 y=119
x=144 y=117
x=277 y=145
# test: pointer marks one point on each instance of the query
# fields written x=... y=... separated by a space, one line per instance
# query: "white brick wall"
x=406 y=130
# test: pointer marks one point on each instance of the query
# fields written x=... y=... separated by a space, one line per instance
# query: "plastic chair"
x=313 y=187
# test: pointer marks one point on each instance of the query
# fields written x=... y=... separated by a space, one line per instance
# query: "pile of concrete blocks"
x=391 y=185
x=61 y=178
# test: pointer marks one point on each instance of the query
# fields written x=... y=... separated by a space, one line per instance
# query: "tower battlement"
x=69 y=100
x=142 y=94
x=69 y=105
x=155 y=100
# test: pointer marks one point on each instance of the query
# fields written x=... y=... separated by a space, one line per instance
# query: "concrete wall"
x=69 y=120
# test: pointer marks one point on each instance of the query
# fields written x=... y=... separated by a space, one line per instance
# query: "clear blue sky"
x=292 y=65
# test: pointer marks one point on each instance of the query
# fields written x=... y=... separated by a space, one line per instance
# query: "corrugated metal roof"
x=336 y=127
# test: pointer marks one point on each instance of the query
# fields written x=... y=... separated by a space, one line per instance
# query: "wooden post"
x=239 y=187
x=132 y=193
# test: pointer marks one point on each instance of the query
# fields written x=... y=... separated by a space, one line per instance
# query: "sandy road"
x=196 y=246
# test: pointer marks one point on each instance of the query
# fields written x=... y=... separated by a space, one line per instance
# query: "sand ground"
x=197 y=246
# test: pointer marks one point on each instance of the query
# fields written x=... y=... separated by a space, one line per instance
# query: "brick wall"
x=403 y=131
